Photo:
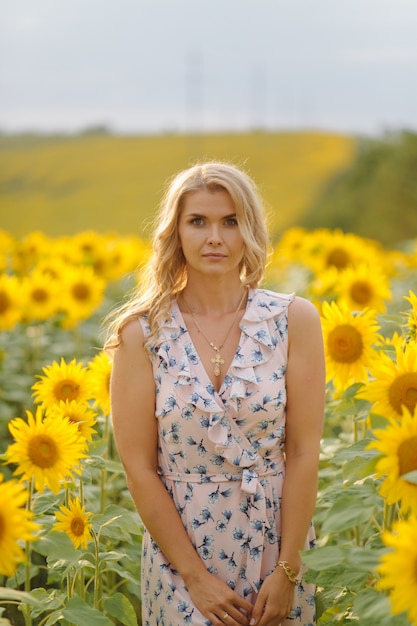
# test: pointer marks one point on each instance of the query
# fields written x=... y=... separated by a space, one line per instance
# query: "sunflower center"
x=66 y=390
x=339 y=258
x=345 y=344
x=39 y=295
x=99 y=266
x=403 y=391
x=361 y=292
x=42 y=451
x=407 y=454
x=77 y=526
x=4 y=302
x=81 y=291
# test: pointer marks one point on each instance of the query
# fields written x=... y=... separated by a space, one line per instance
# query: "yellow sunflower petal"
x=394 y=383
x=74 y=521
x=15 y=525
x=99 y=369
x=63 y=381
x=47 y=450
x=349 y=341
x=76 y=412
x=398 y=445
x=398 y=568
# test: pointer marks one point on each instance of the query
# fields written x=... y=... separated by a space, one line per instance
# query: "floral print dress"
x=221 y=458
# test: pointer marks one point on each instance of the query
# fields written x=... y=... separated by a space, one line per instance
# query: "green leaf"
x=121 y=608
x=44 y=502
x=79 y=613
x=372 y=605
x=365 y=558
x=324 y=557
x=56 y=546
x=18 y=596
x=349 y=510
x=50 y=600
x=359 y=468
x=355 y=450
x=118 y=524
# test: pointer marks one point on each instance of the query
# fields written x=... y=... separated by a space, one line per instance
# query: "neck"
x=216 y=302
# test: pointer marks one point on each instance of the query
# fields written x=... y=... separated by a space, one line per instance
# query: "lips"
x=213 y=255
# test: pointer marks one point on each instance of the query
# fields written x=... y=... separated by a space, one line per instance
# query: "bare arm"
x=136 y=436
x=305 y=379
x=305 y=409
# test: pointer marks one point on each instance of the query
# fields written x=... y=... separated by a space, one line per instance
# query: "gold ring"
x=225 y=616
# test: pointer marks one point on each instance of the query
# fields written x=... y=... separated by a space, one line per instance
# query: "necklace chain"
x=218 y=360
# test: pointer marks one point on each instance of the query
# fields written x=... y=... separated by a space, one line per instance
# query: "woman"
x=217 y=403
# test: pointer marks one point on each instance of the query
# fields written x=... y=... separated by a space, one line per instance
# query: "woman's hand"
x=217 y=601
x=275 y=600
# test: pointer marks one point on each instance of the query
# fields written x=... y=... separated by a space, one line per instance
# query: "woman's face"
x=209 y=233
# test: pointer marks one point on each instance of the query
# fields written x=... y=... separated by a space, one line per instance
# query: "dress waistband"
x=248 y=476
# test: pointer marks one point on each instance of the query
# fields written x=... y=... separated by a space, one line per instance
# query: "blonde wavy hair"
x=165 y=275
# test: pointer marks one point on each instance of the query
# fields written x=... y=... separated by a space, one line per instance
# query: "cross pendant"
x=218 y=362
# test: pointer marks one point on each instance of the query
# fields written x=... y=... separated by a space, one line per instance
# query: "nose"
x=214 y=238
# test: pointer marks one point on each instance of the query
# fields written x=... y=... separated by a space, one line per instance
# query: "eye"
x=231 y=221
x=197 y=221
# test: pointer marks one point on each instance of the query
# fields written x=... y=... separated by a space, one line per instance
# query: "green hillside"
x=66 y=184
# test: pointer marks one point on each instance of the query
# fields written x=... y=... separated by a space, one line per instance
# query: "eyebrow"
x=225 y=217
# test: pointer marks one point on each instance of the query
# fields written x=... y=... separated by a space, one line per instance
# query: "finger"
x=232 y=618
x=235 y=616
x=258 y=609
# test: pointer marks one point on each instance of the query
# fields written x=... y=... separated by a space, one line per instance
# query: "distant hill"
x=375 y=195
x=65 y=184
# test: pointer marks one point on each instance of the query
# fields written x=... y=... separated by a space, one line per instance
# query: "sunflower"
x=394 y=383
x=47 y=450
x=15 y=525
x=125 y=254
x=63 y=381
x=41 y=296
x=348 y=340
x=53 y=266
x=89 y=243
x=99 y=369
x=398 y=568
x=323 y=285
x=398 y=445
x=29 y=250
x=76 y=412
x=83 y=292
x=11 y=302
x=324 y=249
x=363 y=287
x=290 y=246
x=74 y=521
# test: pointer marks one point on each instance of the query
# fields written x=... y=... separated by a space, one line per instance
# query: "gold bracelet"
x=291 y=575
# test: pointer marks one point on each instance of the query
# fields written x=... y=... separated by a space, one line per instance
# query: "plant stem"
x=97 y=589
x=389 y=515
x=103 y=498
x=26 y=609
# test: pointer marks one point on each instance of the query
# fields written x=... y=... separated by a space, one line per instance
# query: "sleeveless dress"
x=221 y=458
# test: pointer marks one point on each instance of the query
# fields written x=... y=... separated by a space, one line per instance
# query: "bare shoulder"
x=302 y=310
x=303 y=318
x=131 y=345
x=132 y=333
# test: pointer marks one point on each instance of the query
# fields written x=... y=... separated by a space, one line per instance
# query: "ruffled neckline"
x=256 y=345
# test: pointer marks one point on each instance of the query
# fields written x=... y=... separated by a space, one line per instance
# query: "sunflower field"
x=70 y=538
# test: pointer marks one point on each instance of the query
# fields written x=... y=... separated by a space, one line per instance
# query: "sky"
x=151 y=66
